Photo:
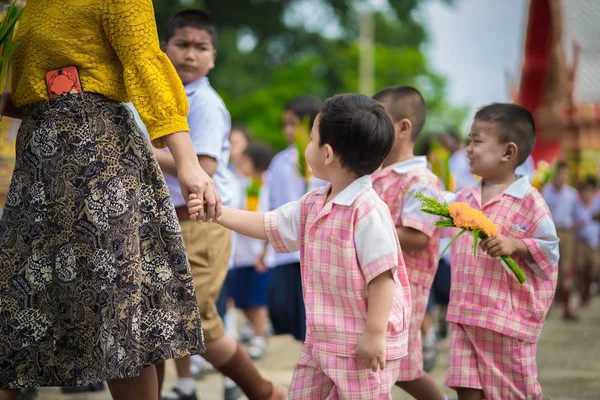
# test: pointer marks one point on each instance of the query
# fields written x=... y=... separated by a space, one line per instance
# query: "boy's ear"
x=403 y=128
x=329 y=154
x=163 y=46
x=511 y=151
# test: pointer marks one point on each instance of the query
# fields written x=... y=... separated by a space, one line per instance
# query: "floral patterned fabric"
x=94 y=279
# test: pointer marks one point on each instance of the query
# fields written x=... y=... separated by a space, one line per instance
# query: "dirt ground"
x=568 y=363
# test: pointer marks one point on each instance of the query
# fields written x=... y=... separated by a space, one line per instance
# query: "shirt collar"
x=406 y=166
x=518 y=189
x=347 y=196
x=192 y=87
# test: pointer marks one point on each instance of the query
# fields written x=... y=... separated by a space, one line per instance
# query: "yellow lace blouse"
x=114 y=43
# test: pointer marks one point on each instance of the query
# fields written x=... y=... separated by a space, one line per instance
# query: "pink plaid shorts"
x=321 y=376
x=501 y=366
x=411 y=366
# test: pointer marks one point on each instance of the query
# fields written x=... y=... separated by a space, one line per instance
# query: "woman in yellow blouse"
x=94 y=279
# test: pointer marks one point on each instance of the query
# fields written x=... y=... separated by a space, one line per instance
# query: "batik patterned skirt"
x=94 y=278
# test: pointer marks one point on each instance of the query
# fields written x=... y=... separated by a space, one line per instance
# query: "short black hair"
x=191 y=18
x=359 y=131
x=516 y=123
x=305 y=106
x=406 y=102
x=589 y=182
x=260 y=154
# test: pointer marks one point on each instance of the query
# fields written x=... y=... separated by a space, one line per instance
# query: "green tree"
x=289 y=59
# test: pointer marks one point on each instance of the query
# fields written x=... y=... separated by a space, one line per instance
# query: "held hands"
x=206 y=203
x=371 y=350
x=499 y=245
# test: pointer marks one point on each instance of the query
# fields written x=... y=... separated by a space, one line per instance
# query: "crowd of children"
x=343 y=259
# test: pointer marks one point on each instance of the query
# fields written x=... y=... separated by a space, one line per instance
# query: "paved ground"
x=568 y=363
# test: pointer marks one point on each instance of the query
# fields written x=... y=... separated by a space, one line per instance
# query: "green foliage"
x=289 y=61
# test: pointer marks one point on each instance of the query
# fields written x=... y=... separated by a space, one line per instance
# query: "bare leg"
x=160 y=375
x=9 y=394
x=423 y=388
x=427 y=323
x=143 y=387
x=469 y=394
x=184 y=367
x=258 y=317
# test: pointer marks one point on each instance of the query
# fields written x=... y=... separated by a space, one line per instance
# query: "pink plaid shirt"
x=391 y=184
x=483 y=293
x=343 y=244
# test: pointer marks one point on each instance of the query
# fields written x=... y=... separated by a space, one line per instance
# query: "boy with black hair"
x=355 y=284
x=402 y=173
x=496 y=320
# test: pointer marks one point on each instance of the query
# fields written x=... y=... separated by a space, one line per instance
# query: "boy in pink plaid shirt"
x=496 y=320
x=403 y=172
x=353 y=276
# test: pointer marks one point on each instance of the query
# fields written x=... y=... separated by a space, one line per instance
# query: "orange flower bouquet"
x=467 y=219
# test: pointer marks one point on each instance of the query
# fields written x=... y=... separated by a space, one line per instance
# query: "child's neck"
x=397 y=157
x=338 y=184
x=491 y=187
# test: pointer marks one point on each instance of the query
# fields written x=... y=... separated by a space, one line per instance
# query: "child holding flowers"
x=497 y=319
x=401 y=172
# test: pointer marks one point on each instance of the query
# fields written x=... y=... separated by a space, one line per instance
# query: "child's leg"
x=469 y=394
x=502 y=366
x=412 y=378
x=309 y=382
x=352 y=380
x=463 y=369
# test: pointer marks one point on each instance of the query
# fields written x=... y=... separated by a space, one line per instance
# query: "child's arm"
x=371 y=345
x=412 y=239
x=280 y=227
x=417 y=227
x=378 y=254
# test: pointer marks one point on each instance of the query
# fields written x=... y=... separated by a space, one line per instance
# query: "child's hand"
x=371 y=350
x=259 y=263
x=499 y=245
x=195 y=207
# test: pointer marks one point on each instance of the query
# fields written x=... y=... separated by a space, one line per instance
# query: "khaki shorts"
x=587 y=259
x=208 y=248
x=566 y=248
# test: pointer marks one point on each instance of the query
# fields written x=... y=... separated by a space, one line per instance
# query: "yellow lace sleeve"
x=150 y=78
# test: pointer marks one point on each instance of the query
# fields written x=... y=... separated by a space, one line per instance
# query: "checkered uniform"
x=498 y=320
x=392 y=185
x=344 y=244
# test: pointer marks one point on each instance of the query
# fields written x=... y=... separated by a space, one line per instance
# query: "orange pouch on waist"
x=63 y=80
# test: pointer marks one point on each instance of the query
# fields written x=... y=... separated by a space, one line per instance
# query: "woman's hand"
x=192 y=178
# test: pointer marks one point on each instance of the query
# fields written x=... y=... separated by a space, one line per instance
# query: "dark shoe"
x=97 y=387
x=232 y=393
x=175 y=394
x=28 y=394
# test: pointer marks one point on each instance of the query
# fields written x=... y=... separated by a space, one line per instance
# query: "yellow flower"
x=252 y=203
x=465 y=217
